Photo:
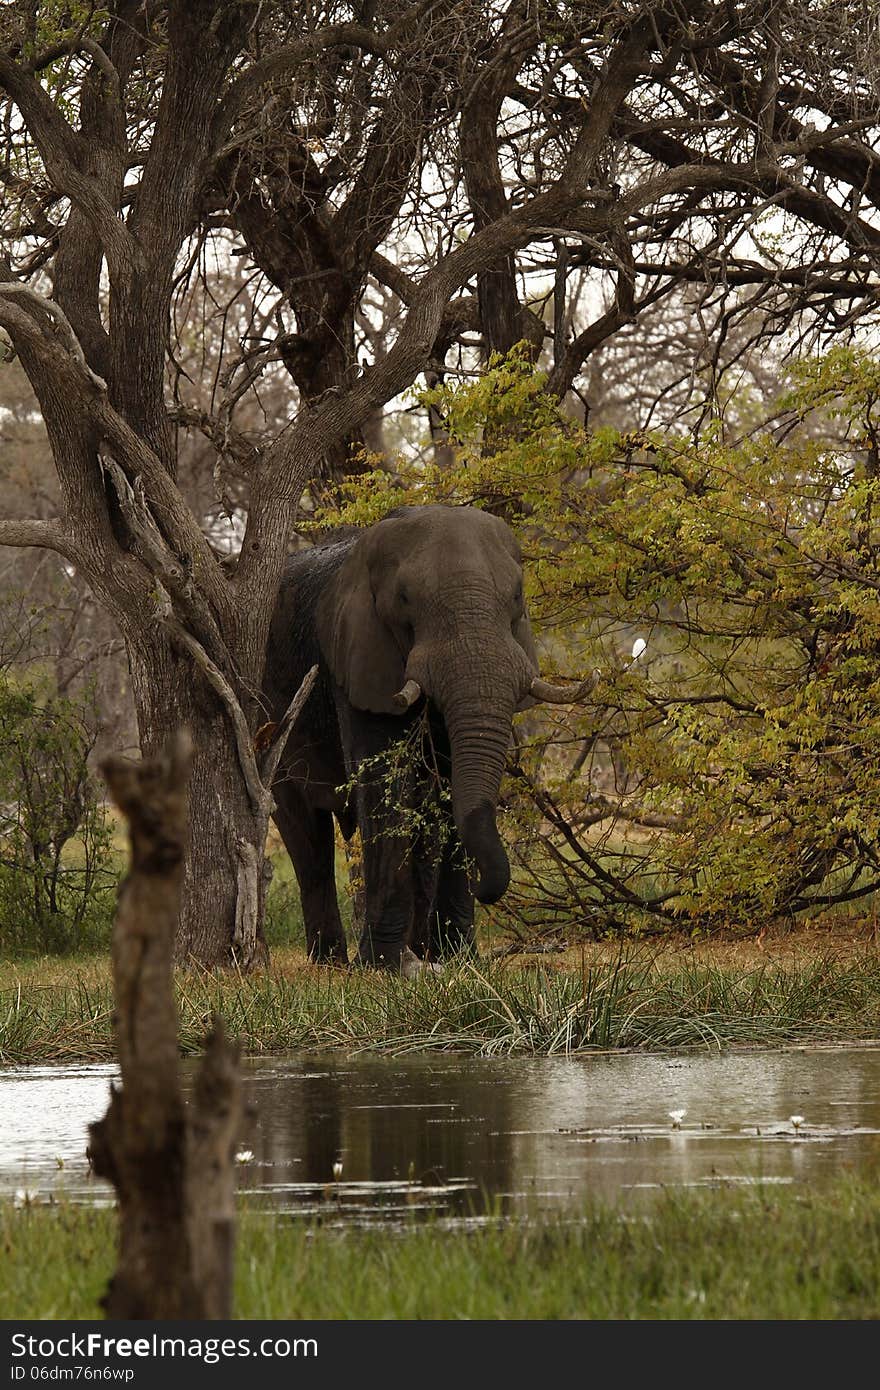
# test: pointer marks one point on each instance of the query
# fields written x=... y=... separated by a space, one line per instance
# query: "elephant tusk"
x=407 y=696
x=560 y=694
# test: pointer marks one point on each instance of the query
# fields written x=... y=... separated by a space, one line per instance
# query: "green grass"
x=634 y=1000
x=769 y=1252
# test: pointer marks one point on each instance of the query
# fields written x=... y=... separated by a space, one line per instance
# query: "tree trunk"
x=321 y=359
x=226 y=874
x=172 y=1166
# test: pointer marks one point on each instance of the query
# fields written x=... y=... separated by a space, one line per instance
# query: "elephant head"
x=429 y=601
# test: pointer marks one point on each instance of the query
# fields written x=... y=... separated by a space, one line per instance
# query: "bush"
x=56 y=876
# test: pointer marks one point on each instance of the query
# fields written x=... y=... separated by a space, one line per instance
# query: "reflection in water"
x=465 y=1135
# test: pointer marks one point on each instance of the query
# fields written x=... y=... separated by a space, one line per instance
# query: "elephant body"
x=424 y=651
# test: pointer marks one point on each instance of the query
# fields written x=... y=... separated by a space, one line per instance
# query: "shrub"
x=56 y=876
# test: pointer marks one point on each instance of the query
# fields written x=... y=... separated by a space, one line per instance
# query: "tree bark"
x=225 y=875
x=173 y=1171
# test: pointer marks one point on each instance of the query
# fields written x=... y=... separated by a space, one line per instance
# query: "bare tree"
x=49 y=620
x=466 y=157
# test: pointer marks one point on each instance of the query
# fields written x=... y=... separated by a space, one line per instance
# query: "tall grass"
x=767 y=1252
x=631 y=1001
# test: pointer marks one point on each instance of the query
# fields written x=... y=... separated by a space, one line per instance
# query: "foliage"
x=408 y=781
x=55 y=879
x=729 y=775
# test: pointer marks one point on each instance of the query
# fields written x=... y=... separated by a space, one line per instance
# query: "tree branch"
x=283 y=60
x=176 y=522
x=15 y=288
x=289 y=461
x=285 y=725
x=280 y=62
x=48 y=535
x=65 y=156
x=570 y=357
x=134 y=456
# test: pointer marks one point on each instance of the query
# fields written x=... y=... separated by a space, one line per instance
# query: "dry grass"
x=842 y=939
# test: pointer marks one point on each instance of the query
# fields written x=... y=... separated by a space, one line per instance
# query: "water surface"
x=463 y=1136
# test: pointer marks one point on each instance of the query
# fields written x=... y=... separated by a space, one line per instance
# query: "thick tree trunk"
x=225 y=875
x=224 y=887
x=321 y=359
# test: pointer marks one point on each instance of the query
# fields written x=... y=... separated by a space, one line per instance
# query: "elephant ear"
x=522 y=628
x=360 y=650
x=522 y=632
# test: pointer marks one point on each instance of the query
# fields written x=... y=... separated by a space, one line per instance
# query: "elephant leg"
x=426 y=873
x=452 y=921
x=389 y=890
x=308 y=837
x=384 y=801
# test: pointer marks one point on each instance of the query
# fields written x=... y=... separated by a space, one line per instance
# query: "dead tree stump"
x=172 y=1166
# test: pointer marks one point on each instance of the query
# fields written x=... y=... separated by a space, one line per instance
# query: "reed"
x=634 y=1000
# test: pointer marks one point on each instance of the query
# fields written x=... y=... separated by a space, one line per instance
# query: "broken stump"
x=173 y=1166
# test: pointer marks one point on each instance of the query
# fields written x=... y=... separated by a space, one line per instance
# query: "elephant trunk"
x=478 y=739
x=479 y=835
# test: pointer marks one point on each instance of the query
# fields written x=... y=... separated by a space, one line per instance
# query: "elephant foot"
x=454 y=944
x=328 y=953
x=379 y=960
x=383 y=952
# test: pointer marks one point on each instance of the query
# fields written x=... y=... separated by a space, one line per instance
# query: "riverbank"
x=767 y=1252
x=795 y=988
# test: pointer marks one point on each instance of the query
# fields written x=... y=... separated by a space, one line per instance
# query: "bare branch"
x=65 y=155
x=176 y=521
x=48 y=535
x=14 y=288
x=282 y=732
x=283 y=60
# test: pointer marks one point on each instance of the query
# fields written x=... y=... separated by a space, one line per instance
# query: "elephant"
x=418 y=627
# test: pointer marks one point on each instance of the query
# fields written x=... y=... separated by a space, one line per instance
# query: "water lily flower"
x=243 y=1156
x=337 y=1170
x=796 y=1121
x=676 y=1116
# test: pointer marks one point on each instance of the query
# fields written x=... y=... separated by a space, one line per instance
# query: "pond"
x=467 y=1137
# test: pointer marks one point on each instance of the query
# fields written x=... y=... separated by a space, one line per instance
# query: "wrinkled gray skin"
x=430 y=594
